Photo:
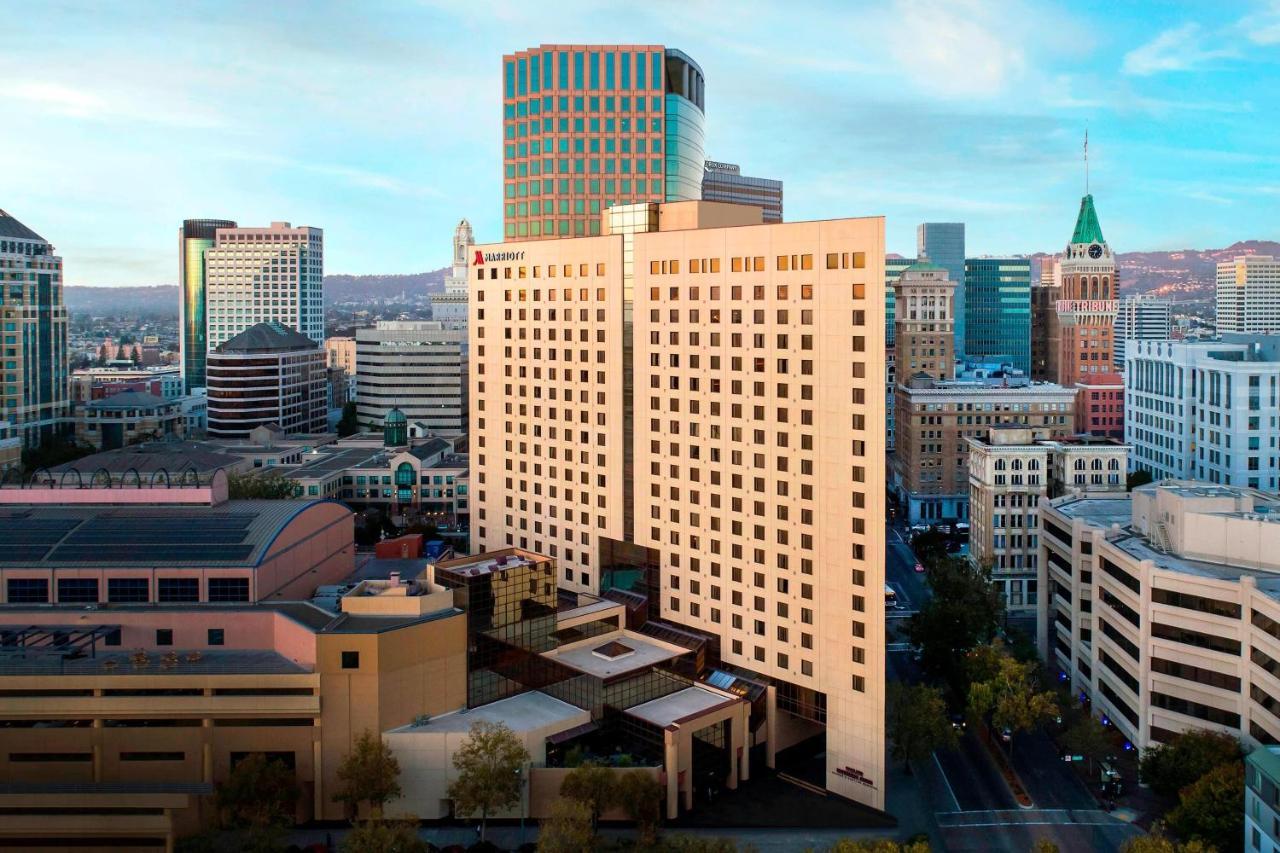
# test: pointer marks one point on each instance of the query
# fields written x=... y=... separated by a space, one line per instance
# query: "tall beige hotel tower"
x=695 y=399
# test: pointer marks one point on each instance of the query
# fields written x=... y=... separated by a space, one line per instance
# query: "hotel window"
x=217 y=637
x=164 y=636
x=179 y=589
x=350 y=660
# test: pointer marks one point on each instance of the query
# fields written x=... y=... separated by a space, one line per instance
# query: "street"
x=972 y=804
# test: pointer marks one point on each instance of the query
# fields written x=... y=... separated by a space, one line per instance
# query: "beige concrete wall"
x=539 y=392
x=808 y=440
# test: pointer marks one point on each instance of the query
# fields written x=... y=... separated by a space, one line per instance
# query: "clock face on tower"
x=1095 y=251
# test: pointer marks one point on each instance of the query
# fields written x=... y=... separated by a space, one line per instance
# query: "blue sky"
x=380 y=121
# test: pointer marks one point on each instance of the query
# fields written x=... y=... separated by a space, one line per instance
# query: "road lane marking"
x=946 y=781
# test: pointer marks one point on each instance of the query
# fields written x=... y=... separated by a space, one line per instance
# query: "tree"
x=269 y=487
x=349 y=424
x=878 y=845
x=1089 y=738
x=594 y=786
x=1137 y=478
x=392 y=835
x=918 y=722
x=964 y=612
x=642 y=797
x=930 y=547
x=568 y=829
x=1011 y=696
x=698 y=844
x=1170 y=767
x=488 y=766
x=369 y=774
x=1044 y=845
x=258 y=797
x=1157 y=843
x=1211 y=809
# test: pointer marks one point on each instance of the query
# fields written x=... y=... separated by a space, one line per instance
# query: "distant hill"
x=340 y=289
x=163 y=298
x=1183 y=274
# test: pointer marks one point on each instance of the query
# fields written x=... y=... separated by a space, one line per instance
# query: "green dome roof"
x=395 y=416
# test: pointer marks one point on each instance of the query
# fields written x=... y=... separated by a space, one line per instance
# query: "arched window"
x=999 y=464
x=1017 y=464
x=1113 y=465
x=1079 y=466
x=1033 y=465
x=1097 y=465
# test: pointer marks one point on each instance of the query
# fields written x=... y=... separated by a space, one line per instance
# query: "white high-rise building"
x=265 y=275
x=1248 y=296
x=1205 y=410
x=450 y=307
x=1140 y=318
x=419 y=367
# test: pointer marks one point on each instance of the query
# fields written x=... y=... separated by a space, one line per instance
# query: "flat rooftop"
x=115 y=662
x=678 y=706
x=1100 y=512
x=525 y=712
x=1137 y=546
x=615 y=653
x=484 y=564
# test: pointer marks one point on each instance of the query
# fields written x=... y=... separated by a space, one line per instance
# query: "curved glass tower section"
x=590 y=127
x=684 y=128
x=194 y=239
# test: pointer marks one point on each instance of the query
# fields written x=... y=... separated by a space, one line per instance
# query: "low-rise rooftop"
x=681 y=706
x=1099 y=512
x=615 y=653
x=521 y=713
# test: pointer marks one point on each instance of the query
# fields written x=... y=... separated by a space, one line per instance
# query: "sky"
x=380 y=122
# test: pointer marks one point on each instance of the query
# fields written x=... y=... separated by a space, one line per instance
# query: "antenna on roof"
x=1086 y=161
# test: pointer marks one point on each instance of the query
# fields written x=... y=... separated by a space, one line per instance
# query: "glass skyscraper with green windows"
x=587 y=127
x=195 y=237
x=998 y=311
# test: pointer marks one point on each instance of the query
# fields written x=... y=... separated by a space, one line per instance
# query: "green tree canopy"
x=878 y=845
x=1158 y=843
x=1137 y=478
x=349 y=424
x=269 y=487
x=1211 y=809
x=1011 y=696
x=594 y=786
x=489 y=767
x=1170 y=767
x=1089 y=738
x=918 y=722
x=369 y=774
x=642 y=797
x=258 y=793
x=389 y=835
x=568 y=829
x=963 y=613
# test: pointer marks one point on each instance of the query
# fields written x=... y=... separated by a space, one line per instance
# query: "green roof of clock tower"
x=1087 y=228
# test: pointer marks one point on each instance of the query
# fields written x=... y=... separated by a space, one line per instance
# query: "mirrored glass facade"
x=588 y=127
x=195 y=238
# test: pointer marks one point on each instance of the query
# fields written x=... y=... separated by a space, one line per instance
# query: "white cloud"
x=1179 y=49
x=103 y=104
x=1262 y=27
